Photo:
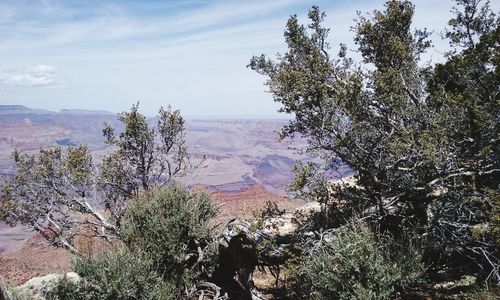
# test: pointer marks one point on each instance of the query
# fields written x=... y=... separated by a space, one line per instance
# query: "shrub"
x=169 y=247
x=353 y=264
x=171 y=225
x=115 y=275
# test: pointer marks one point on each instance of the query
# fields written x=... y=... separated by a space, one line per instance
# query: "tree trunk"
x=4 y=294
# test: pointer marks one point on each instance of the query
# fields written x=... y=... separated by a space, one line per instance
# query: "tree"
x=63 y=193
x=464 y=91
x=145 y=156
x=398 y=124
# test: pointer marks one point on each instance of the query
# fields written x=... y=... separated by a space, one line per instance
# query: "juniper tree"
x=422 y=140
x=63 y=193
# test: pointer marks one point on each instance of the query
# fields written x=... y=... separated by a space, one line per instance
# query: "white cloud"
x=36 y=76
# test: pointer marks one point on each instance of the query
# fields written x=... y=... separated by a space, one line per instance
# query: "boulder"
x=37 y=288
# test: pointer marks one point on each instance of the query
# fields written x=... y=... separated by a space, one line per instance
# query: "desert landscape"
x=238 y=153
x=244 y=166
x=249 y=150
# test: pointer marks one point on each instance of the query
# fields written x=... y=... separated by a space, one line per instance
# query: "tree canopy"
x=422 y=139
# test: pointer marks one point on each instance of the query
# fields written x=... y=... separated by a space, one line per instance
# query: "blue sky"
x=192 y=54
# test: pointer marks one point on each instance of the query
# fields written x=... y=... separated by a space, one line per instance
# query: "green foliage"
x=61 y=192
x=423 y=141
x=145 y=156
x=115 y=275
x=169 y=247
x=370 y=120
x=482 y=293
x=270 y=210
x=494 y=228
x=48 y=190
x=352 y=263
x=66 y=289
x=172 y=226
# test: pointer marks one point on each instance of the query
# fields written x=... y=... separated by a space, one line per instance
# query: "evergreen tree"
x=422 y=140
x=63 y=193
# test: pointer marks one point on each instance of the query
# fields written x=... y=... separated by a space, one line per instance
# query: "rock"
x=234 y=228
x=466 y=281
x=38 y=287
x=280 y=225
x=308 y=209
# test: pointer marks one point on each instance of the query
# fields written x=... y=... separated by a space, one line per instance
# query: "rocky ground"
x=33 y=258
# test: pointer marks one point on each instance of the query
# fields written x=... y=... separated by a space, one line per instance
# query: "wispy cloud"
x=36 y=76
x=57 y=25
x=190 y=53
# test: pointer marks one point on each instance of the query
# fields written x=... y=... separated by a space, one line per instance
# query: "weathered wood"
x=4 y=294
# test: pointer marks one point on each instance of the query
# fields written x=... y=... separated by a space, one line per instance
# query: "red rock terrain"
x=239 y=153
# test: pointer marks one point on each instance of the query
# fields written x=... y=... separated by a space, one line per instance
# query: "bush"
x=354 y=265
x=169 y=247
x=171 y=225
x=115 y=275
x=66 y=289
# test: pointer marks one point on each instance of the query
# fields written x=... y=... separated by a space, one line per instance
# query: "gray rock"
x=37 y=288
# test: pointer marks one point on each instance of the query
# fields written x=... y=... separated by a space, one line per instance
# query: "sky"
x=191 y=54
